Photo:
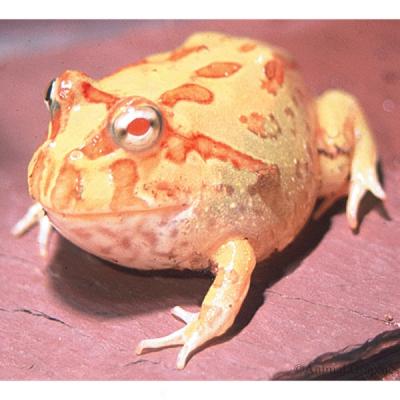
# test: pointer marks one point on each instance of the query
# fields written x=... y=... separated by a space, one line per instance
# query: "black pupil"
x=47 y=98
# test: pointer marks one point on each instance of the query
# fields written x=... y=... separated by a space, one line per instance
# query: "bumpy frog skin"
x=222 y=157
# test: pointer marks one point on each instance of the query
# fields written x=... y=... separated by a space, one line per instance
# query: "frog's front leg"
x=235 y=261
x=35 y=214
x=348 y=156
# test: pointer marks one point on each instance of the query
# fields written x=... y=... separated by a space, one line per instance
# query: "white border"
x=201 y=9
x=197 y=390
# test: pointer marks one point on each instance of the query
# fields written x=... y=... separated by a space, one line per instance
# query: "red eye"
x=138 y=127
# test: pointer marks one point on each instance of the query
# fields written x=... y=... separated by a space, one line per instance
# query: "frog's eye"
x=49 y=96
x=137 y=128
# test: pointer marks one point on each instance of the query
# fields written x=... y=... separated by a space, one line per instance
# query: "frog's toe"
x=173 y=339
x=188 y=336
x=183 y=315
x=34 y=215
x=360 y=184
x=45 y=229
x=190 y=345
x=191 y=336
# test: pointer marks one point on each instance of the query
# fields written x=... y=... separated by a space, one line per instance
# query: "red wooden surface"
x=77 y=317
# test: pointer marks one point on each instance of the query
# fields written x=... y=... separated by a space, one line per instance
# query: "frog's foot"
x=347 y=149
x=179 y=337
x=235 y=262
x=35 y=214
x=363 y=177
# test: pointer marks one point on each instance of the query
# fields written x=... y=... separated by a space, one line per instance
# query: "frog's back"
x=249 y=97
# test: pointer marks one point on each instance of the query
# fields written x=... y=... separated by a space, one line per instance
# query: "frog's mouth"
x=167 y=210
x=63 y=189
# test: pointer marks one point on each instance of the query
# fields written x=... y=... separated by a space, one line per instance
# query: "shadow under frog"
x=105 y=290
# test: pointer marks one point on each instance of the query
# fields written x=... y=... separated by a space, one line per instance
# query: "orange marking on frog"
x=68 y=188
x=185 y=51
x=125 y=176
x=99 y=145
x=167 y=187
x=94 y=95
x=131 y=65
x=187 y=92
x=36 y=175
x=274 y=71
x=178 y=147
x=247 y=47
x=218 y=70
x=264 y=127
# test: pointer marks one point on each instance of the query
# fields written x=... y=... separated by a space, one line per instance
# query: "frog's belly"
x=143 y=240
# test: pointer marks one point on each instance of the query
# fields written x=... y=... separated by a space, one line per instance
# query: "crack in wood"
x=37 y=313
x=359 y=313
x=142 y=360
x=40 y=314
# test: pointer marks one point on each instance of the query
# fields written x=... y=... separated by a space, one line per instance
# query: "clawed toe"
x=184 y=315
x=34 y=215
x=358 y=188
x=174 y=339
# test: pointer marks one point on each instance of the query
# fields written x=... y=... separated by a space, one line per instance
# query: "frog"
x=211 y=156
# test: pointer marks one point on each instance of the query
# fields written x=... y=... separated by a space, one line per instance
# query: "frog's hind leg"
x=348 y=155
x=34 y=215
x=235 y=262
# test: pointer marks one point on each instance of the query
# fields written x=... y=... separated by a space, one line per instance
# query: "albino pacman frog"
x=211 y=156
